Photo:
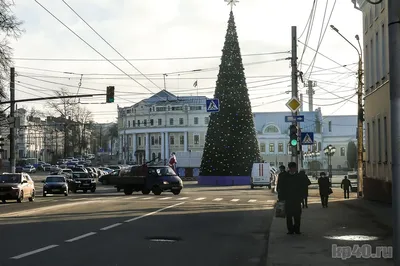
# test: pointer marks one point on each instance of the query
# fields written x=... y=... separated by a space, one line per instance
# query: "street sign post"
x=307 y=138
x=212 y=105
x=293 y=104
x=291 y=118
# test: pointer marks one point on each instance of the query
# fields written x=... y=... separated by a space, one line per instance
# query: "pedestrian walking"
x=172 y=161
x=346 y=185
x=289 y=191
x=306 y=182
x=324 y=189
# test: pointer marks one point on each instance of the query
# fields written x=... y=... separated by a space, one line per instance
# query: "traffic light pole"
x=294 y=89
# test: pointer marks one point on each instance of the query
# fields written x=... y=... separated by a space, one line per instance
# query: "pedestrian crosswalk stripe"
x=165 y=198
x=133 y=197
x=270 y=201
x=146 y=198
x=183 y=198
x=200 y=198
x=218 y=199
x=235 y=200
x=252 y=200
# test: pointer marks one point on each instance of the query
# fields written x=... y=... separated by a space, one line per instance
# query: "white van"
x=261 y=175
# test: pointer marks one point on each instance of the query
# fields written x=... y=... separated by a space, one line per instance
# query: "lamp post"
x=314 y=156
x=329 y=152
x=360 y=129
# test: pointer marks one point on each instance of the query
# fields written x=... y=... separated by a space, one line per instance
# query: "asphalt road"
x=201 y=226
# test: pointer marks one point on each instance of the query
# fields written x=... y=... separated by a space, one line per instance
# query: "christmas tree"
x=231 y=145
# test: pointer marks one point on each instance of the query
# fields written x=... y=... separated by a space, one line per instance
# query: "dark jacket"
x=290 y=187
x=324 y=185
x=346 y=184
x=306 y=182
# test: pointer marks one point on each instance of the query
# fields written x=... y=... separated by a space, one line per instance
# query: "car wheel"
x=44 y=194
x=21 y=197
x=3 y=201
x=85 y=191
x=157 y=191
x=65 y=194
x=176 y=192
x=93 y=190
x=128 y=191
x=145 y=191
x=252 y=186
x=32 y=198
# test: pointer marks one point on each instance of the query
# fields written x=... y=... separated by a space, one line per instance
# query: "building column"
x=147 y=143
x=162 y=144
x=185 y=141
x=121 y=141
x=166 y=145
x=134 y=146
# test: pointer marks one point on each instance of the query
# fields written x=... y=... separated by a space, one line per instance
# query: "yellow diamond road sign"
x=293 y=104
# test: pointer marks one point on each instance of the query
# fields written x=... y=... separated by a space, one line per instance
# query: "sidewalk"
x=342 y=218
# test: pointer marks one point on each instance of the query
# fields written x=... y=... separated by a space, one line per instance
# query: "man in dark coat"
x=290 y=190
x=324 y=189
x=346 y=185
x=306 y=182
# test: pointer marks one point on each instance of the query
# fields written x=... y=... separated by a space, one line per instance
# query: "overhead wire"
x=311 y=19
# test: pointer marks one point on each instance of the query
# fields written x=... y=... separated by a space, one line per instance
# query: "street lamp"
x=360 y=129
x=329 y=152
x=314 y=156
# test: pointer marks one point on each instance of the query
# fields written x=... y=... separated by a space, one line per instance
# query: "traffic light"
x=293 y=136
x=110 y=94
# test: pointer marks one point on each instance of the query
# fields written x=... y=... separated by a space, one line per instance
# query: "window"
x=372 y=63
x=159 y=140
x=156 y=141
x=280 y=147
x=159 y=156
x=138 y=123
x=161 y=109
x=171 y=121
x=377 y=61
x=196 y=139
x=383 y=50
x=196 y=120
x=172 y=140
x=145 y=122
x=159 y=121
x=177 y=108
x=206 y=120
x=151 y=122
x=368 y=142
x=385 y=138
x=374 y=144
x=129 y=123
x=140 y=141
x=153 y=156
x=262 y=147
x=342 y=151
x=271 y=129
x=152 y=140
x=271 y=147
x=180 y=121
x=195 y=108
x=182 y=140
x=367 y=70
x=330 y=126
x=133 y=123
x=379 y=141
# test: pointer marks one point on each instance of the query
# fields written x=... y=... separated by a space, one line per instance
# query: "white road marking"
x=33 y=252
x=183 y=198
x=133 y=197
x=270 y=201
x=252 y=200
x=110 y=226
x=146 y=198
x=200 y=198
x=165 y=198
x=154 y=212
x=218 y=199
x=80 y=237
x=235 y=200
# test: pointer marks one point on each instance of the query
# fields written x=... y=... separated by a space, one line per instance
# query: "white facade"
x=160 y=125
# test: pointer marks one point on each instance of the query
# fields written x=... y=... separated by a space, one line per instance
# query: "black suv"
x=82 y=181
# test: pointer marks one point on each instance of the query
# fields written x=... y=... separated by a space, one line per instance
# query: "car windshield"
x=67 y=170
x=10 y=179
x=164 y=171
x=53 y=179
x=80 y=175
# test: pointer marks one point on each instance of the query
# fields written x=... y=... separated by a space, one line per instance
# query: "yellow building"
x=377 y=176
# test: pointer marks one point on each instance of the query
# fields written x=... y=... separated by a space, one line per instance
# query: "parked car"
x=82 y=181
x=29 y=169
x=18 y=186
x=44 y=167
x=54 y=168
x=105 y=179
x=106 y=169
x=55 y=184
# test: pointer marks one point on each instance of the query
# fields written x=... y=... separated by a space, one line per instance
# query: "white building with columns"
x=162 y=124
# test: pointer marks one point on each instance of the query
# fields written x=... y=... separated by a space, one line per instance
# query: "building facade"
x=164 y=123
x=160 y=125
x=377 y=176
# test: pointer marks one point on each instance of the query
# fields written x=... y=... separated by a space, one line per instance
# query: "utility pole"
x=301 y=100
x=12 y=116
x=294 y=89
x=360 y=128
x=65 y=139
x=311 y=92
x=394 y=70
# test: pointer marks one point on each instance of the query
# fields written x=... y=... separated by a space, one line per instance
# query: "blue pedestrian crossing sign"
x=307 y=138
x=212 y=105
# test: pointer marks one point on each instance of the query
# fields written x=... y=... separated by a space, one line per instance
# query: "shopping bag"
x=280 y=209
x=330 y=191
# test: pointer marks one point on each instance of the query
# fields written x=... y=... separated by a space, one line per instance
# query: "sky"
x=176 y=37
